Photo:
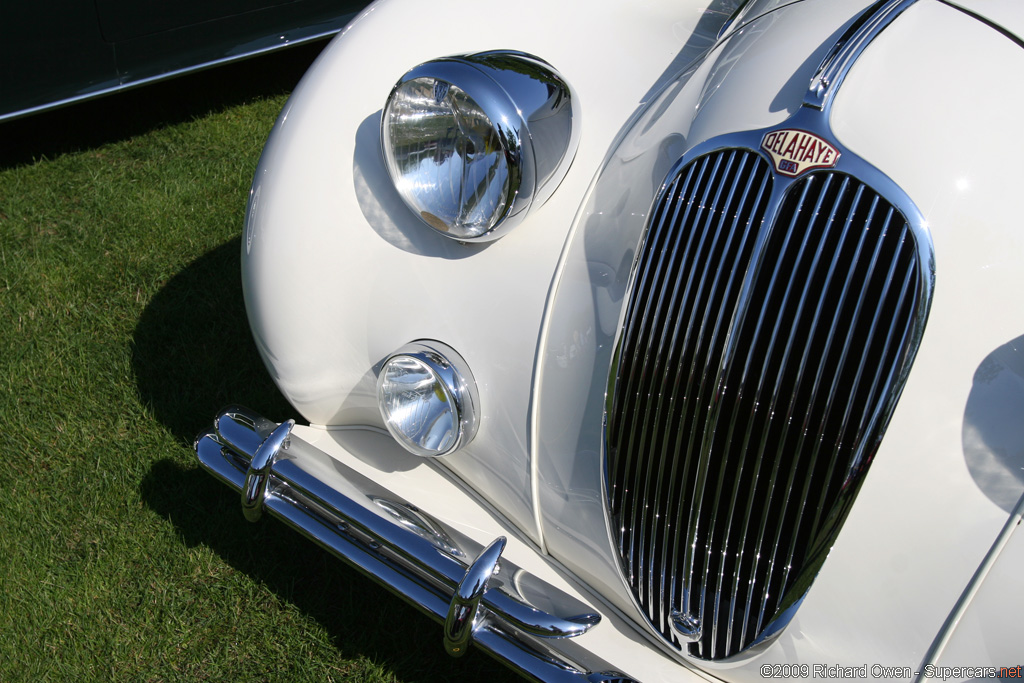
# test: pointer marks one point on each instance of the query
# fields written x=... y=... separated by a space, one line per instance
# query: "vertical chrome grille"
x=764 y=344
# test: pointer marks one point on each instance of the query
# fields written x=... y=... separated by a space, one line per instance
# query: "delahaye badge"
x=796 y=151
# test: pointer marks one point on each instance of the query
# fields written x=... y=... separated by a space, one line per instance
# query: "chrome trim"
x=942 y=638
x=406 y=550
x=412 y=519
x=254 y=489
x=747 y=11
x=837 y=63
x=687 y=627
x=685 y=618
x=742 y=6
x=451 y=369
x=535 y=117
x=461 y=618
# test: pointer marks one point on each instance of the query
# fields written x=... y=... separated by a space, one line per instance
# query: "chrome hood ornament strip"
x=833 y=69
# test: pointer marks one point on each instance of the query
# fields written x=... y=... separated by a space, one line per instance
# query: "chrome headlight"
x=428 y=398
x=473 y=142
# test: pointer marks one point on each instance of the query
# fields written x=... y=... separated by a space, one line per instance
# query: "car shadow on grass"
x=192 y=351
x=363 y=620
x=192 y=354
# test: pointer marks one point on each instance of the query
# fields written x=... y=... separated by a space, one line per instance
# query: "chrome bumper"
x=476 y=594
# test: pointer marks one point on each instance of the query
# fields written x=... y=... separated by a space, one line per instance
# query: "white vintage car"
x=656 y=341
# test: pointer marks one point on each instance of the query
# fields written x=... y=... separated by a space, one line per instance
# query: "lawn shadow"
x=193 y=353
x=363 y=619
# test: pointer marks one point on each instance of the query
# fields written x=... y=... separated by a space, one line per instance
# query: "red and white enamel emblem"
x=796 y=151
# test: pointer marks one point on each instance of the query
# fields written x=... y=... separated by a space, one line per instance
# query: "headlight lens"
x=473 y=142
x=427 y=398
x=450 y=163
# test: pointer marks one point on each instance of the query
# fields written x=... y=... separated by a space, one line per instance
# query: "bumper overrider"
x=476 y=594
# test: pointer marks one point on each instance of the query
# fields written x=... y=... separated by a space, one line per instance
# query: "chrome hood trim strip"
x=829 y=77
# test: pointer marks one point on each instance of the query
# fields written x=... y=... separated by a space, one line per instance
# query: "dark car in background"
x=57 y=54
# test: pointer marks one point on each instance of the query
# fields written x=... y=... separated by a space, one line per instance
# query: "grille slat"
x=777 y=360
x=704 y=304
x=753 y=480
x=639 y=486
x=735 y=170
x=844 y=280
x=833 y=391
x=675 y=379
x=749 y=213
x=624 y=491
x=734 y=281
x=852 y=405
x=706 y=256
x=725 y=315
x=740 y=409
x=703 y=385
x=716 y=319
x=785 y=446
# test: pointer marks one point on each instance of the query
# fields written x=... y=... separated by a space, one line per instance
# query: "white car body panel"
x=948 y=472
x=336 y=251
x=915 y=475
x=338 y=274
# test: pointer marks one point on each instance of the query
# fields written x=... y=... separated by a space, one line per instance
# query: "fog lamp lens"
x=426 y=398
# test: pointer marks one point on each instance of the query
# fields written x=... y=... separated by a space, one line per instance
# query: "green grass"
x=121 y=333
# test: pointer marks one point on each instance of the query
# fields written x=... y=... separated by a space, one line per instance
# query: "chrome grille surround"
x=769 y=326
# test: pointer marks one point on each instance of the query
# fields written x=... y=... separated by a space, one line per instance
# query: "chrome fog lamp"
x=473 y=142
x=428 y=398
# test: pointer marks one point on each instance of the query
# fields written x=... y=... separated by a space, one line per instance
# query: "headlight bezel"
x=521 y=96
